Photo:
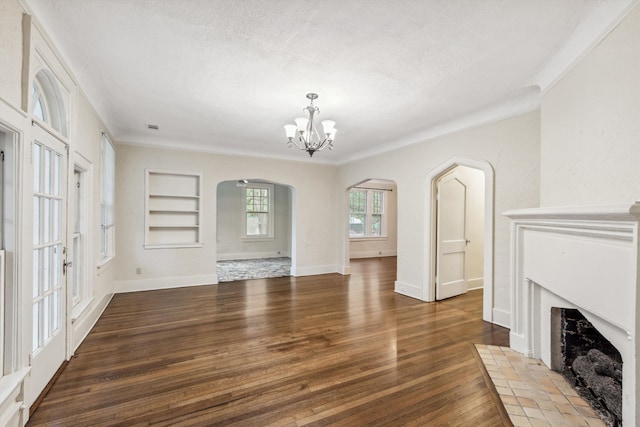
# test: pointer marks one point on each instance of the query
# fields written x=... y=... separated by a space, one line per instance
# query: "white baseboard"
x=517 y=343
x=313 y=270
x=477 y=283
x=87 y=320
x=345 y=270
x=408 y=290
x=123 y=286
x=372 y=254
x=502 y=318
x=252 y=255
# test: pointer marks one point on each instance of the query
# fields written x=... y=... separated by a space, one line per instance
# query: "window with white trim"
x=47 y=104
x=258 y=211
x=107 y=223
x=367 y=213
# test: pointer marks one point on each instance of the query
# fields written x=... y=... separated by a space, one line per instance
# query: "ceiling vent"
x=154 y=127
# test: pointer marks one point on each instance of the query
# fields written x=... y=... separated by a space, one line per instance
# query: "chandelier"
x=304 y=134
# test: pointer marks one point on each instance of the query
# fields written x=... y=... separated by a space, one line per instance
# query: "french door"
x=48 y=347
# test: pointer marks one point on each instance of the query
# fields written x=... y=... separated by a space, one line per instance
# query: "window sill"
x=257 y=239
x=104 y=263
x=9 y=382
x=79 y=309
x=368 y=239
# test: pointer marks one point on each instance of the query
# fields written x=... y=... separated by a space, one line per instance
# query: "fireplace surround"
x=578 y=258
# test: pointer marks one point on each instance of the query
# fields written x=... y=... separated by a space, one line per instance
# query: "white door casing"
x=451 y=237
x=49 y=319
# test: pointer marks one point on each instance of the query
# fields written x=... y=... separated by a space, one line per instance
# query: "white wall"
x=316 y=218
x=591 y=125
x=511 y=146
x=11 y=48
x=230 y=214
x=474 y=255
x=383 y=246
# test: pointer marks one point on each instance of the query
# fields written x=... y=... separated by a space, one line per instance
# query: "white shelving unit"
x=173 y=209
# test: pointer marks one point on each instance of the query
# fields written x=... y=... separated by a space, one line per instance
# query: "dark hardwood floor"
x=317 y=350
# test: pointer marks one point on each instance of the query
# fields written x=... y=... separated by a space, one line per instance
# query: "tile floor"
x=247 y=269
x=532 y=394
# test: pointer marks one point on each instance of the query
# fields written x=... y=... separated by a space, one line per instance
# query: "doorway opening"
x=255 y=230
x=459 y=242
x=459 y=231
x=372 y=220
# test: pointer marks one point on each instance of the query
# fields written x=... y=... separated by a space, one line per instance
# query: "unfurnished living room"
x=341 y=212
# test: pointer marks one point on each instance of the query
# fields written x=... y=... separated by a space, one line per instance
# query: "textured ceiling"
x=226 y=75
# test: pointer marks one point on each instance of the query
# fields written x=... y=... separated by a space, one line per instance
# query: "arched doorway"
x=371 y=220
x=435 y=178
x=255 y=227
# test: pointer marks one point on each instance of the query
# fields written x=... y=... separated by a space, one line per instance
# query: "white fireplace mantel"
x=584 y=258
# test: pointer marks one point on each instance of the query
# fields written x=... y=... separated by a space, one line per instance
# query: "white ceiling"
x=226 y=75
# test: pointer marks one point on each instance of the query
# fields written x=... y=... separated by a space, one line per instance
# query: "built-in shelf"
x=173 y=209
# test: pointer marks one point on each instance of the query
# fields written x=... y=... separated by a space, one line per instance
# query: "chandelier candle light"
x=308 y=138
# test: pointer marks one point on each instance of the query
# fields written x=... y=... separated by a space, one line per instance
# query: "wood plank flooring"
x=318 y=350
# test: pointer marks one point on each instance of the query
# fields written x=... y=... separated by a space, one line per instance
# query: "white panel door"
x=48 y=346
x=451 y=237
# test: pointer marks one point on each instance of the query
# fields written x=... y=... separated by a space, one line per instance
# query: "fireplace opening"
x=589 y=362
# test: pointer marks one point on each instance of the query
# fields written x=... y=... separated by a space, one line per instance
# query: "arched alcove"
x=255 y=229
x=371 y=220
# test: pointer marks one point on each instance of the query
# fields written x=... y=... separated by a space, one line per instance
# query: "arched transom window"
x=47 y=103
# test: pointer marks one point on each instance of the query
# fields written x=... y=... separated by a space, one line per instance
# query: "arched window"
x=47 y=103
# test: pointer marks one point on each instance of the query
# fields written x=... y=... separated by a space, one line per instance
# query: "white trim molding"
x=313 y=270
x=252 y=255
x=124 y=286
x=13 y=411
x=585 y=258
x=407 y=289
x=374 y=254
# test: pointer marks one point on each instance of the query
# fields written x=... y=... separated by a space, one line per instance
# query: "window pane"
x=37 y=215
x=36 y=327
x=46 y=317
x=47 y=172
x=376 y=205
x=103 y=240
x=57 y=310
x=357 y=225
x=107 y=197
x=76 y=265
x=358 y=201
x=57 y=263
x=55 y=190
x=56 y=218
x=46 y=236
x=46 y=270
x=37 y=180
x=257 y=224
x=36 y=272
x=376 y=225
